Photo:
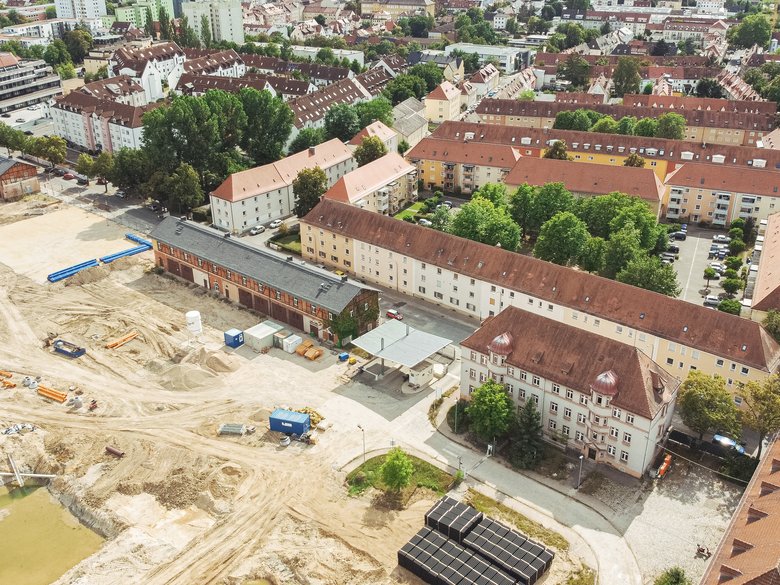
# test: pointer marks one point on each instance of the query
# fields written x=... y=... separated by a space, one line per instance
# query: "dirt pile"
x=178 y=490
x=88 y=276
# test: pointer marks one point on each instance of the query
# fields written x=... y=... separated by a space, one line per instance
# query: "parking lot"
x=693 y=259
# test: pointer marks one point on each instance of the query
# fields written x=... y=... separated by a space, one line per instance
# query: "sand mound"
x=221 y=362
x=186 y=377
x=123 y=263
x=88 y=276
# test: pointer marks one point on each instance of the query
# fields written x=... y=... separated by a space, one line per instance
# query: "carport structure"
x=401 y=344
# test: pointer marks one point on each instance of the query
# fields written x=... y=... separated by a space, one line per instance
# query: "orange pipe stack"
x=52 y=394
x=122 y=340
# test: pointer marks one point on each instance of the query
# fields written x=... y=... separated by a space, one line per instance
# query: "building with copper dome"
x=602 y=398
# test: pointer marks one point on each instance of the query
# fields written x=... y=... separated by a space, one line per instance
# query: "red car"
x=68 y=176
x=393 y=314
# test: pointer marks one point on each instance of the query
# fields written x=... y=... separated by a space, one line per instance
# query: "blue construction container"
x=234 y=338
x=289 y=422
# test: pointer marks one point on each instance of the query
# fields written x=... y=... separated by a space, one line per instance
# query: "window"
x=613 y=432
x=579 y=436
x=523 y=376
x=521 y=393
x=482 y=376
x=552 y=424
x=583 y=399
x=630 y=419
x=567 y=413
x=569 y=394
x=535 y=398
x=627 y=438
x=556 y=389
x=554 y=407
x=473 y=374
x=624 y=456
x=670 y=361
x=616 y=413
x=744 y=371
x=535 y=381
x=581 y=418
x=565 y=430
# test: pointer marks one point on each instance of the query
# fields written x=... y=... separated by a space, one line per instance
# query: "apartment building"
x=480 y=281
x=661 y=155
x=136 y=13
x=150 y=67
x=589 y=180
x=396 y=8
x=410 y=123
x=510 y=59
x=727 y=127
x=605 y=399
x=460 y=167
x=320 y=75
x=80 y=9
x=225 y=18
x=451 y=66
x=719 y=195
x=121 y=89
x=485 y=80
x=674 y=103
x=262 y=194
x=26 y=82
x=305 y=297
x=443 y=103
x=388 y=136
x=764 y=288
x=382 y=186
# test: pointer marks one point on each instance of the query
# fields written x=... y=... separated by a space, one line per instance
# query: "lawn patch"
x=410 y=211
x=425 y=475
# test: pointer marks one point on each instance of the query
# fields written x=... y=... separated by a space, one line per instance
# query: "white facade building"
x=225 y=18
x=606 y=400
x=511 y=59
x=150 y=67
x=80 y=9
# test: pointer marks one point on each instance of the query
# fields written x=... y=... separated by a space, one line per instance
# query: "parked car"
x=721 y=239
x=60 y=172
x=728 y=442
x=669 y=256
x=679 y=236
x=258 y=229
x=82 y=180
x=121 y=194
x=684 y=227
x=448 y=204
x=425 y=222
x=20 y=120
x=275 y=224
x=6 y=115
x=673 y=248
x=711 y=301
x=28 y=132
x=68 y=176
x=718 y=267
x=394 y=314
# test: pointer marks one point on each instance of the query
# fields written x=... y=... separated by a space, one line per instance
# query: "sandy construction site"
x=183 y=506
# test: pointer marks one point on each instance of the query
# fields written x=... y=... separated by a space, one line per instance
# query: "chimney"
x=312 y=149
x=658 y=385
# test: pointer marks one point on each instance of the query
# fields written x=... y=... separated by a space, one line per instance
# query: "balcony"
x=673 y=212
x=449 y=166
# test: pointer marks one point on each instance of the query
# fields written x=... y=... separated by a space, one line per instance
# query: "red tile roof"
x=761 y=182
x=716 y=332
x=491 y=155
x=588 y=179
x=575 y=358
x=444 y=91
x=766 y=292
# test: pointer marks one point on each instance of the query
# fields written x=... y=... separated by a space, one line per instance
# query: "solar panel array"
x=440 y=561
x=452 y=518
x=515 y=554
x=459 y=546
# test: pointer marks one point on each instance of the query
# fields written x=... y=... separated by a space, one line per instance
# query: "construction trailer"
x=289 y=422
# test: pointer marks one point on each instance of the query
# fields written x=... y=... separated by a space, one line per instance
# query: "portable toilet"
x=234 y=338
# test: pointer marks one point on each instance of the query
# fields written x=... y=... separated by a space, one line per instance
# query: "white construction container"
x=262 y=335
x=291 y=343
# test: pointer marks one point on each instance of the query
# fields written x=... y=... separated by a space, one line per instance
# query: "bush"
x=739 y=466
x=462 y=417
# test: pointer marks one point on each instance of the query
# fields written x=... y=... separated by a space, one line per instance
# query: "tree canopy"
x=370 y=149
x=342 y=122
x=755 y=29
x=561 y=239
x=626 y=76
x=705 y=405
x=490 y=411
x=649 y=273
x=527 y=442
x=762 y=407
x=397 y=469
x=308 y=187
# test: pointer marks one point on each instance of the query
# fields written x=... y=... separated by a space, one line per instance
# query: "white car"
x=711 y=301
x=425 y=222
x=275 y=224
x=258 y=229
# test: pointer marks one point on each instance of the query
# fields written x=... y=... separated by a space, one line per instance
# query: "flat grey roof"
x=308 y=283
x=399 y=343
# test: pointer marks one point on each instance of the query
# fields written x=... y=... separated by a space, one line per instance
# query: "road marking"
x=690 y=272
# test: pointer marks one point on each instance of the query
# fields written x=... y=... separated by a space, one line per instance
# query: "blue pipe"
x=129 y=252
x=68 y=272
x=139 y=240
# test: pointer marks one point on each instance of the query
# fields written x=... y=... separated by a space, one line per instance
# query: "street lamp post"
x=364 y=442
x=579 y=475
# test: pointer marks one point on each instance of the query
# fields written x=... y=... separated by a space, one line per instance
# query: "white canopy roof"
x=400 y=343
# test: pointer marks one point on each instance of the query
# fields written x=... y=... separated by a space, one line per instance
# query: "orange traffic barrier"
x=52 y=394
x=7 y=384
x=5 y=374
x=122 y=340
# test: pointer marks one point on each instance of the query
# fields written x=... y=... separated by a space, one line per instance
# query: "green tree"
x=183 y=188
x=370 y=149
x=626 y=76
x=493 y=192
x=403 y=146
x=342 y=122
x=705 y=405
x=547 y=201
x=403 y=87
x=673 y=576
x=51 y=12
x=557 y=151
x=378 y=109
x=520 y=203
x=527 y=95
x=762 y=408
x=66 y=71
x=186 y=36
x=626 y=125
x=56 y=53
x=574 y=69
x=50 y=148
x=441 y=219
x=576 y=120
x=306 y=138
x=79 y=42
x=634 y=160
x=649 y=273
x=646 y=127
x=772 y=323
x=149 y=23
x=397 y=469
x=732 y=306
x=755 y=29
x=736 y=247
x=84 y=165
x=623 y=247
x=429 y=72
x=709 y=88
x=166 y=30
x=593 y=255
x=605 y=125
x=709 y=274
x=671 y=125
x=479 y=220
x=103 y=166
x=527 y=442
x=205 y=31
x=308 y=187
x=491 y=411
x=269 y=123
x=561 y=239
x=131 y=168
x=733 y=262
x=732 y=286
